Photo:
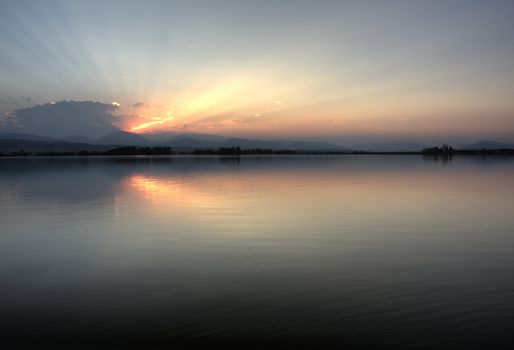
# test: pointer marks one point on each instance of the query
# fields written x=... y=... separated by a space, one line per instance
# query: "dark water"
x=358 y=251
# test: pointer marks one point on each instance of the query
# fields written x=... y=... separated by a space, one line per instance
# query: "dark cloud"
x=138 y=104
x=62 y=119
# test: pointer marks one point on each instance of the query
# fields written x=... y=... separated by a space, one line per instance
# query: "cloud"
x=63 y=118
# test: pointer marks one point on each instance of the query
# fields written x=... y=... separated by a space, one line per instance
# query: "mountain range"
x=188 y=141
x=488 y=144
x=28 y=142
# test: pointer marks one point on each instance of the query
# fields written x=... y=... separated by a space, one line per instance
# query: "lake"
x=328 y=251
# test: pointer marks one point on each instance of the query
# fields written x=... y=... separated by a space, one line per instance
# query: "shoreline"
x=243 y=153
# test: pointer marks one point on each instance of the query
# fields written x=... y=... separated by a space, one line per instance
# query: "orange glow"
x=165 y=193
x=218 y=195
x=159 y=191
x=227 y=102
x=259 y=101
x=155 y=121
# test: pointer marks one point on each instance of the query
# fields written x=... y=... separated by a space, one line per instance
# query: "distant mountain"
x=15 y=142
x=488 y=144
x=78 y=138
x=193 y=142
x=282 y=145
x=160 y=137
x=203 y=137
x=123 y=138
x=19 y=136
x=15 y=145
x=190 y=141
x=172 y=136
x=392 y=146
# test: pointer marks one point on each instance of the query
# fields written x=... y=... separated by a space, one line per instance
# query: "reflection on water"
x=396 y=251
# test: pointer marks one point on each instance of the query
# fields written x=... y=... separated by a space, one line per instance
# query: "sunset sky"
x=331 y=70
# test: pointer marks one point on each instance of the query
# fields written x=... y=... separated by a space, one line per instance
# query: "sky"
x=327 y=70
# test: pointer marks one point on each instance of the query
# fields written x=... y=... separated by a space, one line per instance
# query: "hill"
x=192 y=143
x=20 y=136
x=123 y=138
x=488 y=144
x=16 y=145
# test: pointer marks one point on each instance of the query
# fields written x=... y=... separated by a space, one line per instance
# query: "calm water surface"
x=374 y=251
